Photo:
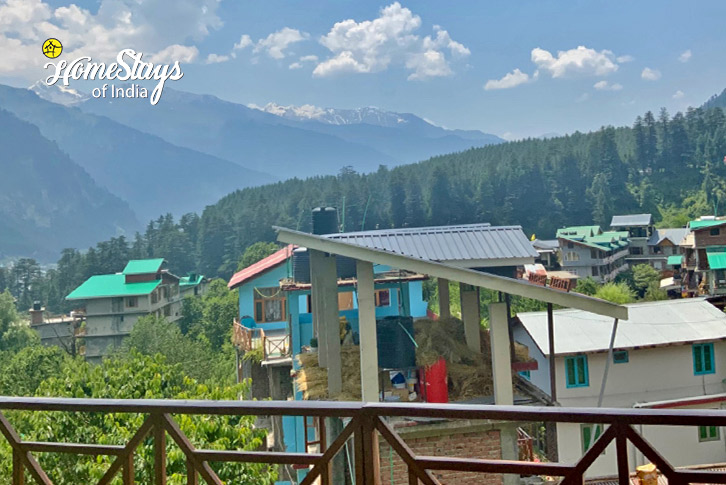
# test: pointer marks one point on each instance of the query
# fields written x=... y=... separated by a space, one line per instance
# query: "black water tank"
x=325 y=220
x=396 y=348
x=345 y=267
x=301 y=265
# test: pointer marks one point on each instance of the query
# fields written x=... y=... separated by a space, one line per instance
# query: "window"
x=620 y=357
x=345 y=300
x=595 y=271
x=525 y=374
x=576 y=371
x=636 y=250
x=703 y=359
x=715 y=231
x=593 y=253
x=589 y=434
x=570 y=245
x=132 y=302
x=709 y=433
x=167 y=311
x=154 y=297
x=270 y=305
x=572 y=256
x=383 y=297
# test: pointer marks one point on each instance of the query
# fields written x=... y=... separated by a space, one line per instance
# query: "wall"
x=270 y=279
x=464 y=439
x=703 y=238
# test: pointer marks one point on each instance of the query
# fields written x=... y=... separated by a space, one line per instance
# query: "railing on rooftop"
x=248 y=339
x=367 y=423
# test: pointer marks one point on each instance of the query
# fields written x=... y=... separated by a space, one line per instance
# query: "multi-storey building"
x=587 y=251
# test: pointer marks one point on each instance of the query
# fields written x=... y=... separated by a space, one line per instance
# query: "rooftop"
x=143 y=266
x=593 y=237
x=659 y=323
x=111 y=285
x=470 y=245
x=261 y=266
x=702 y=223
x=631 y=220
x=675 y=236
x=579 y=231
x=190 y=280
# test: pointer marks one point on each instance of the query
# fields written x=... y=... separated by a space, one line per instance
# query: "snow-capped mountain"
x=332 y=116
x=58 y=93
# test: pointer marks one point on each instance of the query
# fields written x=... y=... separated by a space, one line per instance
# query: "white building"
x=669 y=354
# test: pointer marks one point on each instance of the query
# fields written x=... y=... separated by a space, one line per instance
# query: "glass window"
x=383 y=298
x=703 y=359
x=576 y=371
x=589 y=434
x=715 y=231
x=620 y=357
x=132 y=302
x=270 y=305
x=709 y=433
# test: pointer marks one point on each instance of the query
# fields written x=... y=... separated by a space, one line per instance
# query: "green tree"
x=644 y=275
x=256 y=252
x=655 y=293
x=619 y=293
x=137 y=376
x=587 y=286
x=8 y=314
x=24 y=370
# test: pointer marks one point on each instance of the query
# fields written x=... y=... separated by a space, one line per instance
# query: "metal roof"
x=143 y=266
x=261 y=266
x=666 y=322
x=471 y=246
x=703 y=223
x=631 y=220
x=546 y=244
x=675 y=236
x=111 y=285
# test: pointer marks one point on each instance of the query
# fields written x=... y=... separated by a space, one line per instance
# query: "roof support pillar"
x=551 y=338
x=501 y=358
x=471 y=316
x=324 y=277
x=444 y=302
x=367 y=331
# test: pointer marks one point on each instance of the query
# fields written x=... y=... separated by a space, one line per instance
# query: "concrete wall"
x=270 y=279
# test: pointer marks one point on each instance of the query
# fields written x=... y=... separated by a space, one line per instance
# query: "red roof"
x=261 y=267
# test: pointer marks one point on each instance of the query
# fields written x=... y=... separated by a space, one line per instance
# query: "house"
x=114 y=302
x=587 y=251
x=666 y=248
x=639 y=228
x=193 y=284
x=668 y=354
x=547 y=251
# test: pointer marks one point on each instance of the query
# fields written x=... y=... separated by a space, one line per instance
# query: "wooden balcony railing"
x=368 y=422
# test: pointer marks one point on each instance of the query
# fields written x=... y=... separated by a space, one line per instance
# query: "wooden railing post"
x=371 y=452
x=128 y=469
x=159 y=451
x=192 y=476
x=621 y=446
x=18 y=468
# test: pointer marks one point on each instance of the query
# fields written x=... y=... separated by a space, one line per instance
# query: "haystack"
x=469 y=372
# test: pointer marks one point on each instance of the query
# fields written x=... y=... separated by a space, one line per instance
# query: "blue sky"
x=550 y=66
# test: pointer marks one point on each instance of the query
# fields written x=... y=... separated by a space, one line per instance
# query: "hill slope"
x=47 y=202
x=152 y=175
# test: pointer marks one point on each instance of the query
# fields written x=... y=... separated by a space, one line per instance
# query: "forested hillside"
x=670 y=166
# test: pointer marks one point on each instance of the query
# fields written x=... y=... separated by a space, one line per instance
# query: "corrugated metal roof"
x=143 y=266
x=475 y=243
x=675 y=260
x=716 y=260
x=111 y=285
x=676 y=236
x=703 y=223
x=546 y=244
x=631 y=220
x=652 y=323
x=261 y=266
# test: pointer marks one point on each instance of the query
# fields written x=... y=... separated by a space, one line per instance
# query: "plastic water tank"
x=396 y=348
x=325 y=220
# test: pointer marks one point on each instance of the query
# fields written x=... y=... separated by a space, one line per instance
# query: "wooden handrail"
x=368 y=421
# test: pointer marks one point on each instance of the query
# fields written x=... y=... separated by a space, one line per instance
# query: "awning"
x=675 y=260
x=716 y=260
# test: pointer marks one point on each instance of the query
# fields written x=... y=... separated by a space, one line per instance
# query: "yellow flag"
x=533 y=237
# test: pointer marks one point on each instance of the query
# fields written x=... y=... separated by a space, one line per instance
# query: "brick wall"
x=451 y=439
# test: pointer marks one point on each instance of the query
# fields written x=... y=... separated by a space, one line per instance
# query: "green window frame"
x=709 y=433
x=576 y=371
x=589 y=433
x=620 y=357
x=703 y=359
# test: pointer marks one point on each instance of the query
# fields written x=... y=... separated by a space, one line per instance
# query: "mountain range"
x=186 y=152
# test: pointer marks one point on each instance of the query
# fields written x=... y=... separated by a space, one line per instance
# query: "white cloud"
x=302 y=61
x=581 y=61
x=685 y=56
x=650 y=74
x=216 y=59
x=244 y=42
x=277 y=43
x=295 y=65
x=625 y=58
x=309 y=59
x=150 y=27
x=583 y=97
x=176 y=52
x=510 y=80
x=606 y=86
x=390 y=40
x=678 y=94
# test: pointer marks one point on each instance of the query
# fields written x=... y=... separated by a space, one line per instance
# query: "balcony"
x=366 y=425
x=251 y=339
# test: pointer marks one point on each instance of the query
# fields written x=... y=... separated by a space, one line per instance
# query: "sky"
x=512 y=68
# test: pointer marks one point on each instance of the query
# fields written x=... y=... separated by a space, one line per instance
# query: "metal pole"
x=551 y=336
x=607 y=364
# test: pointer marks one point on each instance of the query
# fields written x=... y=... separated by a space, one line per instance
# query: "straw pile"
x=469 y=372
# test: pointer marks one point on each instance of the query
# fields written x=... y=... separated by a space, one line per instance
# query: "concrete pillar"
x=470 y=315
x=444 y=303
x=501 y=359
x=324 y=278
x=367 y=331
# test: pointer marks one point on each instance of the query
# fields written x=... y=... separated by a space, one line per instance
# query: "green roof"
x=187 y=281
x=143 y=266
x=578 y=231
x=111 y=285
x=716 y=260
x=675 y=260
x=706 y=223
